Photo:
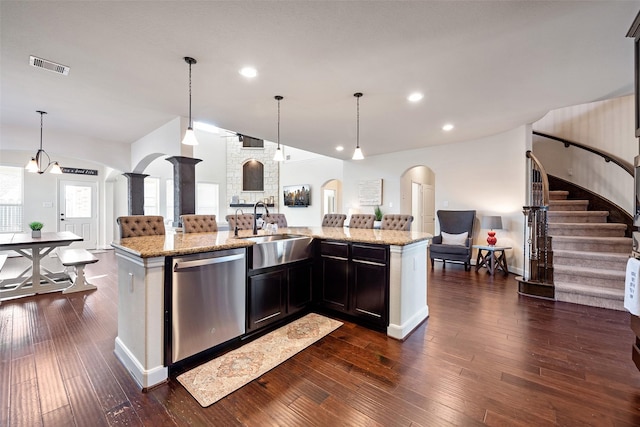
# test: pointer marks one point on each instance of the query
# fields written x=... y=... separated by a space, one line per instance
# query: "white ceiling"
x=485 y=66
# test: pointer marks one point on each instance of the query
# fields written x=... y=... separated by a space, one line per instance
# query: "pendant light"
x=35 y=164
x=357 y=154
x=190 y=136
x=279 y=157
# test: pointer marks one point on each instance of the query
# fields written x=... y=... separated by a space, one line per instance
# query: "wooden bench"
x=76 y=259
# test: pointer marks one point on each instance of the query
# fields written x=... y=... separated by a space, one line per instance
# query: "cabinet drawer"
x=334 y=249
x=369 y=253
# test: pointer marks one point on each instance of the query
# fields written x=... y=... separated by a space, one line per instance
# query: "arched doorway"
x=331 y=197
x=417 y=195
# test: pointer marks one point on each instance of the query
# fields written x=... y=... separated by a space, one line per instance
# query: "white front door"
x=79 y=211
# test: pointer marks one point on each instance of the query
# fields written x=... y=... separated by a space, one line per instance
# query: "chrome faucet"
x=255 y=217
x=235 y=229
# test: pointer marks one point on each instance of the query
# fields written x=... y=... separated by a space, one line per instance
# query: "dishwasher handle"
x=183 y=265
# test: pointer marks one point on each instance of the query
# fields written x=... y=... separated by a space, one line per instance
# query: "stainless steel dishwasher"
x=207 y=301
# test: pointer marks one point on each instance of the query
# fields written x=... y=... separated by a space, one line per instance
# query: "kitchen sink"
x=272 y=238
x=277 y=249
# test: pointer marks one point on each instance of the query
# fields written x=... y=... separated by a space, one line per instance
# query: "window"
x=151 y=196
x=207 y=198
x=11 y=185
x=251 y=142
x=169 y=189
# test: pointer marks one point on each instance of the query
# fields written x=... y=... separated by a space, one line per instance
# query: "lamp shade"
x=492 y=222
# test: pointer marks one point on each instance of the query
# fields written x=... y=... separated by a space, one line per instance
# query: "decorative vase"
x=491 y=239
x=36 y=233
x=377 y=224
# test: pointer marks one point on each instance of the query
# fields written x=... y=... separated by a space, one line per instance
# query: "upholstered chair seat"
x=361 y=221
x=333 y=220
x=245 y=221
x=396 y=222
x=199 y=223
x=276 y=218
x=140 y=225
x=454 y=241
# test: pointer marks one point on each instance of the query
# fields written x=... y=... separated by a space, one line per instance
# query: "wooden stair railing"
x=628 y=167
x=537 y=278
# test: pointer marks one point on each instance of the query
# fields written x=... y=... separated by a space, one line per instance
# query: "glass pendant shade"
x=278 y=157
x=357 y=154
x=32 y=166
x=190 y=137
x=55 y=168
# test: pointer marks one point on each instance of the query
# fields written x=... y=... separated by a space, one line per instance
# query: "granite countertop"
x=178 y=243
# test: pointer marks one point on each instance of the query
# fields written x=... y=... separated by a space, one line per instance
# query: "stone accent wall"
x=236 y=157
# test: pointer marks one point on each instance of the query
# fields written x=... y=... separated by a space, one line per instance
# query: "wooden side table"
x=492 y=257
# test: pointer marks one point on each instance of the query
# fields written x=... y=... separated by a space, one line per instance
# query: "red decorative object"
x=491 y=239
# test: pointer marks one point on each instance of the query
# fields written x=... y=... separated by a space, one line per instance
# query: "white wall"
x=606 y=125
x=488 y=175
x=307 y=168
x=61 y=144
x=41 y=191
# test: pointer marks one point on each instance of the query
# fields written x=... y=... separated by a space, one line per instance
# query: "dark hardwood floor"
x=484 y=356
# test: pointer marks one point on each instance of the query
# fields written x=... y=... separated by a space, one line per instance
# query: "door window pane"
x=77 y=201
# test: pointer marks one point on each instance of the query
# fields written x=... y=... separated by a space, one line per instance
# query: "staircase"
x=589 y=254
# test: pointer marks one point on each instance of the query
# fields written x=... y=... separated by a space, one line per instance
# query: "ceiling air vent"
x=48 y=65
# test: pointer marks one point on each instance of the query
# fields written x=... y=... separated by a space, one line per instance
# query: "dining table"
x=35 y=279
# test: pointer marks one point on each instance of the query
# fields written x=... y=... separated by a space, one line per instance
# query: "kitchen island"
x=143 y=270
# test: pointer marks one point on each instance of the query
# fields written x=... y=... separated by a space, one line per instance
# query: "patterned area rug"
x=213 y=380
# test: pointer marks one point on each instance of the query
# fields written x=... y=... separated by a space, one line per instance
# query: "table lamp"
x=492 y=222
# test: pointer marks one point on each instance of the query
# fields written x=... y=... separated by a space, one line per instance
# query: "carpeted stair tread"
x=558 y=194
x=591 y=273
x=592 y=244
x=568 y=205
x=577 y=216
x=606 y=260
x=594 y=291
x=608 y=229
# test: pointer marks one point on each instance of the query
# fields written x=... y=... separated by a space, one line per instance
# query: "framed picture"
x=370 y=192
x=297 y=195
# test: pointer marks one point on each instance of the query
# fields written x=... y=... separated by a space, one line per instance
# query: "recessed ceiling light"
x=415 y=97
x=339 y=148
x=249 y=72
x=447 y=127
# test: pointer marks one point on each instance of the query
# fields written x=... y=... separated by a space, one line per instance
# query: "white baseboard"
x=400 y=332
x=145 y=378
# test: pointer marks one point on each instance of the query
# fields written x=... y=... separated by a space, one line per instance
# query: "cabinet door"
x=369 y=297
x=334 y=282
x=333 y=275
x=299 y=282
x=266 y=298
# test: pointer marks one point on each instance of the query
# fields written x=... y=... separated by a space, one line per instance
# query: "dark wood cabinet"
x=266 y=298
x=333 y=271
x=354 y=279
x=277 y=292
x=299 y=287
